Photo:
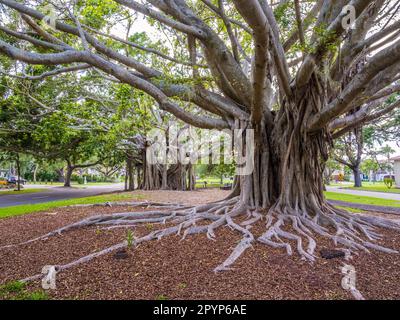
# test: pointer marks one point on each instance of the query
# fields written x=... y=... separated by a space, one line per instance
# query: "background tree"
x=387 y=152
x=349 y=151
x=371 y=166
x=331 y=166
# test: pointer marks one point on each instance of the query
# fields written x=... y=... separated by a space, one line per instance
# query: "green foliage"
x=216 y=170
x=284 y=13
x=95 y=13
x=326 y=38
x=369 y=165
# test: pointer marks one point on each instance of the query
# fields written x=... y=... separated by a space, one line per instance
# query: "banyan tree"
x=295 y=73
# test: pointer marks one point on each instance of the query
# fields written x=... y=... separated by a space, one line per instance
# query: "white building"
x=397 y=170
x=4 y=173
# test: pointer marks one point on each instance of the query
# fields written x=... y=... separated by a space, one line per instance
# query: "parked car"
x=14 y=180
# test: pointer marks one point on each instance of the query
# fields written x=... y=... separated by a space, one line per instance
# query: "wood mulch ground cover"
x=175 y=269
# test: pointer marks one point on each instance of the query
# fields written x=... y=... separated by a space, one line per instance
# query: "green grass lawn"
x=45 y=183
x=362 y=199
x=209 y=185
x=31 y=190
x=30 y=208
x=375 y=188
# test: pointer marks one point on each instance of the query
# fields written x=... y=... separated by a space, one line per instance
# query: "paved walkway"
x=381 y=195
x=55 y=193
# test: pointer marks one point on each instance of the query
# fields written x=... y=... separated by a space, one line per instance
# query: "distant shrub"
x=388 y=182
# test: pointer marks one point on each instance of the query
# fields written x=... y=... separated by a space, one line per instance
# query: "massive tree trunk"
x=289 y=161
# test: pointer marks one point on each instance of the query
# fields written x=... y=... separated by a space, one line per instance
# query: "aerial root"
x=283 y=228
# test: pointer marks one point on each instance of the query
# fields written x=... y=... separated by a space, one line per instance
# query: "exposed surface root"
x=125 y=204
x=284 y=229
x=354 y=232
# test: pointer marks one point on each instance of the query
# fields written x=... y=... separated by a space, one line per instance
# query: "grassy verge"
x=45 y=183
x=16 y=290
x=29 y=208
x=23 y=191
x=376 y=189
x=362 y=199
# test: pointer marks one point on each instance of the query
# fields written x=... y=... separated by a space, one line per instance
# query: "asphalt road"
x=55 y=193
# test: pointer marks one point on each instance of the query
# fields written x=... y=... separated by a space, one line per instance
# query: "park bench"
x=226 y=186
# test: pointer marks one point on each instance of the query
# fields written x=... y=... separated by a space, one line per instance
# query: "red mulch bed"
x=176 y=269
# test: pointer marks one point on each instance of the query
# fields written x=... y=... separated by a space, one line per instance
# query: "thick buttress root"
x=349 y=231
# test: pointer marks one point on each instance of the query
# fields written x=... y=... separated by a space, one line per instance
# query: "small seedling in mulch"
x=182 y=285
x=161 y=297
x=16 y=290
x=129 y=238
x=149 y=226
x=98 y=231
